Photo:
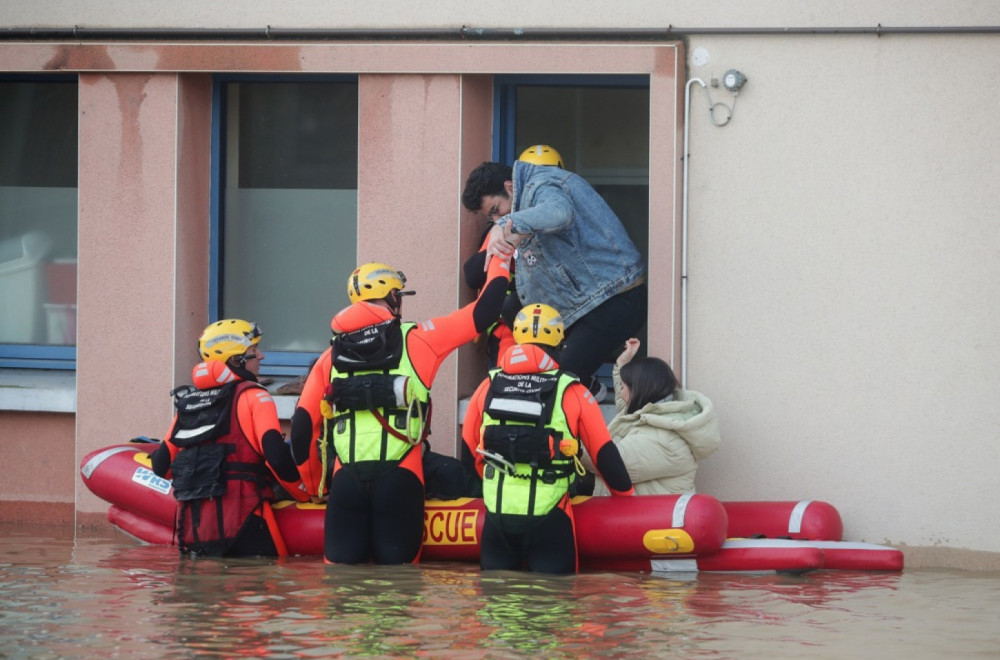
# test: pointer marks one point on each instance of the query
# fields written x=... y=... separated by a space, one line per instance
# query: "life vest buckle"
x=497 y=462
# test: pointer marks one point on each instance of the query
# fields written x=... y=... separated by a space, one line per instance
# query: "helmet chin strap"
x=238 y=365
x=394 y=301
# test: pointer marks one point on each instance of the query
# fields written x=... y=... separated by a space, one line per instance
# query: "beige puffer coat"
x=662 y=442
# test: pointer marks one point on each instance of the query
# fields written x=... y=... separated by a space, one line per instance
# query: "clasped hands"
x=502 y=241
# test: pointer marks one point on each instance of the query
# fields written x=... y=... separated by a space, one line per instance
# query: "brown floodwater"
x=111 y=597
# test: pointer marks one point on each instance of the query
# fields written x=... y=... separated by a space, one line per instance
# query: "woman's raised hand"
x=631 y=348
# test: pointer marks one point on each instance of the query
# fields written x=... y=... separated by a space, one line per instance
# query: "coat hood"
x=689 y=414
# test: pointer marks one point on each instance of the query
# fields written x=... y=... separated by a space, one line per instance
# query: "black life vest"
x=219 y=479
x=369 y=430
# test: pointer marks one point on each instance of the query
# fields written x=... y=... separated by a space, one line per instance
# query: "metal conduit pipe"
x=684 y=228
x=270 y=33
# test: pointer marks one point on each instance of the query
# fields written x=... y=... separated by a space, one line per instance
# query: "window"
x=600 y=127
x=38 y=221
x=286 y=230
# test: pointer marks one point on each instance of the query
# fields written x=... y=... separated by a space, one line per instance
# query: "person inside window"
x=225 y=451
x=359 y=430
x=498 y=336
x=572 y=252
x=525 y=425
x=662 y=431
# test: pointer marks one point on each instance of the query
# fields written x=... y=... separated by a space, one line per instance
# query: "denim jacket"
x=577 y=254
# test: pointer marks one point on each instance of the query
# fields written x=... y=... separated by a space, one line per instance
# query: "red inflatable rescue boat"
x=649 y=533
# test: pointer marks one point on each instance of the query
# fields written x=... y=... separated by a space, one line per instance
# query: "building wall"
x=38 y=475
x=844 y=247
x=842 y=252
x=143 y=196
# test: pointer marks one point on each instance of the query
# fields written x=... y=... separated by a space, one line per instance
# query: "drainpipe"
x=684 y=227
x=464 y=33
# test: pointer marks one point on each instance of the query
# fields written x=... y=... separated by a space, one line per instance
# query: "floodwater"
x=111 y=597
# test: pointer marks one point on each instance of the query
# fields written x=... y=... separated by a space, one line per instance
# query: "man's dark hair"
x=487 y=179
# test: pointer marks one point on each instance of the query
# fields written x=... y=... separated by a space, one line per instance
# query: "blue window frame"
x=600 y=127
x=39 y=135
x=284 y=209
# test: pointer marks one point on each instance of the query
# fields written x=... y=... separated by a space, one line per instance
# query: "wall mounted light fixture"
x=733 y=80
x=720 y=113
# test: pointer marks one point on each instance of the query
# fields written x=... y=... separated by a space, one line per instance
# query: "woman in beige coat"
x=661 y=430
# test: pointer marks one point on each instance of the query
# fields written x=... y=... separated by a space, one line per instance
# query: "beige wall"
x=844 y=253
x=844 y=275
x=646 y=14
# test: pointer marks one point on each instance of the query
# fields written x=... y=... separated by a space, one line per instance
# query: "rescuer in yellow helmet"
x=524 y=426
x=360 y=427
x=225 y=450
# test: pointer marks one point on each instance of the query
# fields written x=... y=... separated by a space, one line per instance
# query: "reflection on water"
x=110 y=597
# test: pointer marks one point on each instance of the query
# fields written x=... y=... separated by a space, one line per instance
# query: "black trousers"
x=547 y=545
x=599 y=335
x=378 y=519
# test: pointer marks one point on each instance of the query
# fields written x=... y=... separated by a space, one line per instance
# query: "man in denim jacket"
x=572 y=253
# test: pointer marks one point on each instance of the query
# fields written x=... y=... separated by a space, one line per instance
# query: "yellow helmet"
x=541 y=154
x=227 y=338
x=539 y=324
x=374 y=281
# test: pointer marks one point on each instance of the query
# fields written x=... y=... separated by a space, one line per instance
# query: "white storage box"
x=22 y=288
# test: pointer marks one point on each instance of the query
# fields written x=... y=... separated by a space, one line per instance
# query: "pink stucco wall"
x=37 y=477
x=407 y=201
x=477 y=125
x=129 y=196
x=425 y=122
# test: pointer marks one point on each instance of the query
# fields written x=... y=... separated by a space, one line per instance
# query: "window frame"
x=42 y=356
x=505 y=100
x=505 y=123
x=278 y=362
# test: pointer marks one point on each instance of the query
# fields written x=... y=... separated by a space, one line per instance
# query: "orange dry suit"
x=368 y=398
x=499 y=336
x=426 y=345
x=525 y=425
x=215 y=455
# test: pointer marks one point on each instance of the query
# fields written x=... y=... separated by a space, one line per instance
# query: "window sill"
x=33 y=390
x=55 y=391
x=285 y=404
